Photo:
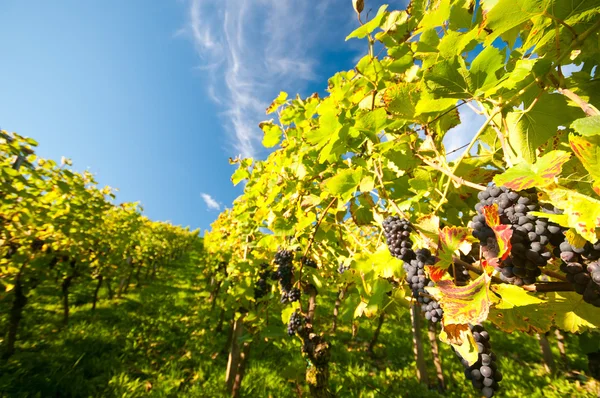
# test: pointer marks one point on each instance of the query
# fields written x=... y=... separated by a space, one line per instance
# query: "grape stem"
x=554 y=275
x=312 y=238
x=549 y=287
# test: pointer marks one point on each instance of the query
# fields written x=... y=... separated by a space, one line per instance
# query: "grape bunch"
x=296 y=323
x=584 y=278
x=415 y=270
x=483 y=374
x=308 y=262
x=342 y=268
x=285 y=275
x=431 y=308
x=418 y=280
x=530 y=235
x=397 y=236
x=262 y=286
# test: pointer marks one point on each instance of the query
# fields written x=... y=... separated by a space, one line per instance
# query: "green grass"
x=160 y=340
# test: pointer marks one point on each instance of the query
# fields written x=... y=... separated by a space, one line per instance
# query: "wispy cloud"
x=251 y=50
x=211 y=203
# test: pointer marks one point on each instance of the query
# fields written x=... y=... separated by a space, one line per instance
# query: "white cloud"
x=211 y=203
x=251 y=50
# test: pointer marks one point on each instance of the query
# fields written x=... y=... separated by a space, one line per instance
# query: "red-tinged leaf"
x=503 y=234
x=525 y=175
x=463 y=304
x=492 y=218
x=435 y=273
x=452 y=241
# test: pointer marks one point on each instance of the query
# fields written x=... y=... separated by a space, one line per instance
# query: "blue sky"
x=154 y=97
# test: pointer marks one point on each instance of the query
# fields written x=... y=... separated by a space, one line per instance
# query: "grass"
x=161 y=340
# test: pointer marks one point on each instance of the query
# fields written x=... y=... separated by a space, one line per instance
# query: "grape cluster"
x=285 y=275
x=296 y=323
x=415 y=270
x=433 y=311
x=530 y=235
x=584 y=278
x=397 y=236
x=483 y=374
x=418 y=280
x=262 y=286
x=308 y=262
x=343 y=268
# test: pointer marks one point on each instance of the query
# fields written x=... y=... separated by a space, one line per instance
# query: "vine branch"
x=456 y=178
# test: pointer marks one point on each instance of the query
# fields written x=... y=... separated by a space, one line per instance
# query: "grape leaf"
x=587 y=149
x=525 y=175
x=272 y=133
x=436 y=15
x=582 y=212
x=587 y=126
x=449 y=78
x=463 y=304
x=370 y=26
x=571 y=313
x=277 y=102
x=508 y=14
x=452 y=240
x=518 y=310
x=344 y=184
x=461 y=338
x=401 y=99
x=483 y=68
x=527 y=131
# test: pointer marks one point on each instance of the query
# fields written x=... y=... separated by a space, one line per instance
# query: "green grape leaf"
x=571 y=313
x=240 y=174
x=463 y=304
x=382 y=263
x=272 y=133
x=401 y=99
x=587 y=149
x=344 y=184
x=277 y=102
x=449 y=78
x=587 y=126
x=527 y=131
x=436 y=15
x=370 y=26
x=582 y=212
x=452 y=241
x=372 y=122
x=505 y=15
x=519 y=310
x=484 y=67
x=525 y=175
